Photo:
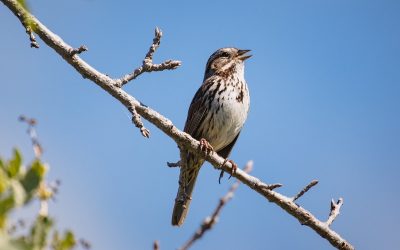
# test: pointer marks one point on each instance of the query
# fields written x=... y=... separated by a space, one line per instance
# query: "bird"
x=216 y=116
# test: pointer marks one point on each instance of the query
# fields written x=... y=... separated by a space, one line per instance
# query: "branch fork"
x=335 y=210
x=148 y=65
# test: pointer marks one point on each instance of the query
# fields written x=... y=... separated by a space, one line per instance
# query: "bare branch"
x=210 y=221
x=45 y=191
x=335 y=210
x=183 y=140
x=156 y=43
x=85 y=244
x=138 y=122
x=37 y=148
x=305 y=189
x=148 y=65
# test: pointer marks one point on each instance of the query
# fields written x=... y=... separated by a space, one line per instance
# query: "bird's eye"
x=225 y=54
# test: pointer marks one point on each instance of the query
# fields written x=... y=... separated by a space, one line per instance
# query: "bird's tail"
x=187 y=180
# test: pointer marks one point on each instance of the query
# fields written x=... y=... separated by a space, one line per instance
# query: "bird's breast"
x=229 y=112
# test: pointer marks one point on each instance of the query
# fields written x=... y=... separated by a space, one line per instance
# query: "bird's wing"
x=197 y=111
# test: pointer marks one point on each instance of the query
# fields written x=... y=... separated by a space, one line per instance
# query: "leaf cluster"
x=19 y=186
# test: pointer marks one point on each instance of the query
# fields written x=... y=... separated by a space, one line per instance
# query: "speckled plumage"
x=217 y=114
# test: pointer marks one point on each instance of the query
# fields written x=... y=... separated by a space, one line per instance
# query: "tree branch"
x=148 y=65
x=182 y=139
x=305 y=189
x=138 y=122
x=335 y=210
x=37 y=147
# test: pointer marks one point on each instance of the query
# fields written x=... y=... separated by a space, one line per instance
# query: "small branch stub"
x=136 y=119
x=335 y=210
x=269 y=186
x=34 y=43
x=79 y=50
x=305 y=189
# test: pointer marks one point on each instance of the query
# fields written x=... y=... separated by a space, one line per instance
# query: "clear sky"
x=325 y=99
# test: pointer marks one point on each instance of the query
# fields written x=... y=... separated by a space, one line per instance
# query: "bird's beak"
x=242 y=54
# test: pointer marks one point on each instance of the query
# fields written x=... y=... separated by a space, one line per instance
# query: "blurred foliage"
x=20 y=186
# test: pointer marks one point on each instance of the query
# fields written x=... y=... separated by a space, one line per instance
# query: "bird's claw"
x=205 y=146
x=233 y=170
x=220 y=176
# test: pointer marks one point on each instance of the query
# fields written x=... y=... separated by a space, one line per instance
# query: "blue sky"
x=325 y=97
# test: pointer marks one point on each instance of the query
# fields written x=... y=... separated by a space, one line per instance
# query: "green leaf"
x=40 y=231
x=2 y=166
x=4 y=182
x=12 y=244
x=18 y=193
x=33 y=178
x=67 y=242
x=6 y=204
x=14 y=165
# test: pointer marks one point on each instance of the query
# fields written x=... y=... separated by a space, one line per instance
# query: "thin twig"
x=138 y=122
x=31 y=122
x=210 y=221
x=305 y=189
x=85 y=244
x=184 y=140
x=335 y=211
x=148 y=65
x=44 y=192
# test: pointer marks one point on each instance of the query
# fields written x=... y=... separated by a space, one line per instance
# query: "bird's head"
x=226 y=61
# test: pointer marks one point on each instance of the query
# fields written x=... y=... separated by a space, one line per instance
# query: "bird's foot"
x=233 y=170
x=205 y=146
